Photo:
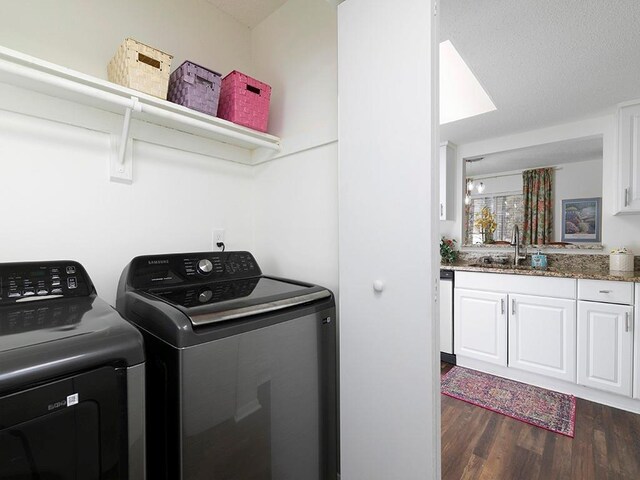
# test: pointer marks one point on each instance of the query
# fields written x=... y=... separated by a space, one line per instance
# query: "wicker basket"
x=245 y=101
x=195 y=87
x=621 y=262
x=141 y=67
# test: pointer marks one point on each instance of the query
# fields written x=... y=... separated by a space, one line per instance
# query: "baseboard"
x=605 y=398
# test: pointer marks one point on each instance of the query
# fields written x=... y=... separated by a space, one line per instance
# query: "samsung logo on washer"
x=68 y=402
x=157 y=262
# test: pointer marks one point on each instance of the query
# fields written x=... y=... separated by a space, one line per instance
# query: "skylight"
x=461 y=95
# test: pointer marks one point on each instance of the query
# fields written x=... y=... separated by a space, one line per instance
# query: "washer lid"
x=228 y=300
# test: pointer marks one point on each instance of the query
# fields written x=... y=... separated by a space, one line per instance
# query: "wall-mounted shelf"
x=32 y=74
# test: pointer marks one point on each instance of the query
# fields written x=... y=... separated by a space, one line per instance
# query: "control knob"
x=205 y=266
x=205 y=296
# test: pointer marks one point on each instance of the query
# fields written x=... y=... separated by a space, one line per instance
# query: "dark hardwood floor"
x=479 y=444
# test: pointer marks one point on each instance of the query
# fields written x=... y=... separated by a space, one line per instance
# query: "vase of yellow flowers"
x=487 y=225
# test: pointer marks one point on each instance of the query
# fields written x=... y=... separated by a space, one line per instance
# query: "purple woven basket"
x=195 y=87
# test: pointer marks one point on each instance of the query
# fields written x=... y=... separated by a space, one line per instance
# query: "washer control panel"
x=191 y=268
x=21 y=282
x=222 y=266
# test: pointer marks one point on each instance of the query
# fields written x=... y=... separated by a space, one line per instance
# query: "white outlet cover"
x=217 y=236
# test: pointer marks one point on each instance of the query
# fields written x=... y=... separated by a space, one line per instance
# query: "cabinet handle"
x=626 y=197
x=513 y=306
x=441 y=210
x=627 y=322
x=605 y=291
x=502 y=306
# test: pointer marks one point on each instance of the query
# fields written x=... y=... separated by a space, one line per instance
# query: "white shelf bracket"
x=121 y=169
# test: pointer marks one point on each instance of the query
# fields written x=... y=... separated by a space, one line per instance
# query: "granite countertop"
x=586 y=273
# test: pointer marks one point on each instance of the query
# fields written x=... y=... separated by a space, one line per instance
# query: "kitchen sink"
x=508 y=266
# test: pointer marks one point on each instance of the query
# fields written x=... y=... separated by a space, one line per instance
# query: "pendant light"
x=470 y=184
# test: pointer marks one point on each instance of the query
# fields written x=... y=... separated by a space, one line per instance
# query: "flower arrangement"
x=448 y=252
x=618 y=251
x=487 y=224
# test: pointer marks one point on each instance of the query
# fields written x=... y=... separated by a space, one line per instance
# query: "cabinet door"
x=605 y=346
x=629 y=159
x=542 y=335
x=446 y=316
x=480 y=324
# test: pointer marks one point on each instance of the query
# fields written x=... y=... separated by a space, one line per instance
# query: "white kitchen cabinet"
x=447 y=180
x=480 y=325
x=605 y=346
x=542 y=335
x=628 y=178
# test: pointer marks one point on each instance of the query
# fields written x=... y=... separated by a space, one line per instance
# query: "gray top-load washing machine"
x=241 y=368
x=71 y=379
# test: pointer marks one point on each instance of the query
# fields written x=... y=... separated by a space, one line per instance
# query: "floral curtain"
x=538 y=206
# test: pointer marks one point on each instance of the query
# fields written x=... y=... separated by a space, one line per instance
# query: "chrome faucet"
x=515 y=242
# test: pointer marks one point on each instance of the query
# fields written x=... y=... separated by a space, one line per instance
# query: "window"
x=507 y=210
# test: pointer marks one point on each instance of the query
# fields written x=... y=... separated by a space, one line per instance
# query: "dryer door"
x=67 y=429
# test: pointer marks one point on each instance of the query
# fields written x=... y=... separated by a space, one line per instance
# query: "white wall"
x=57 y=200
x=296 y=226
x=58 y=203
x=388 y=186
x=84 y=34
x=294 y=50
x=617 y=230
x=296 y=217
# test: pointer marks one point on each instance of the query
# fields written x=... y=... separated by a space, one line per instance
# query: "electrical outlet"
x=216 y=237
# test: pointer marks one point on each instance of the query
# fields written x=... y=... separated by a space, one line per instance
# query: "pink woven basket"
x=245 y=101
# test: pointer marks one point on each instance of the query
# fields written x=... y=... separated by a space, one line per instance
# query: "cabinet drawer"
x=606 y=291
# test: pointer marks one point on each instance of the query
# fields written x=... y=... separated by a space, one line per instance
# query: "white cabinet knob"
x=378 y=286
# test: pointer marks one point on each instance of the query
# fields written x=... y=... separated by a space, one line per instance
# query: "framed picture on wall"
x=581 y=219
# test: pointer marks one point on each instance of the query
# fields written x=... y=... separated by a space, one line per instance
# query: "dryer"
x=71 y=378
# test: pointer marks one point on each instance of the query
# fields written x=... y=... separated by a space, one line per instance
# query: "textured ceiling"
x=248 y=12
x=543 y=63
x=556 y=153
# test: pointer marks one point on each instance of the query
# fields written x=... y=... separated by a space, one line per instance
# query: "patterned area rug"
x=536 y=406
